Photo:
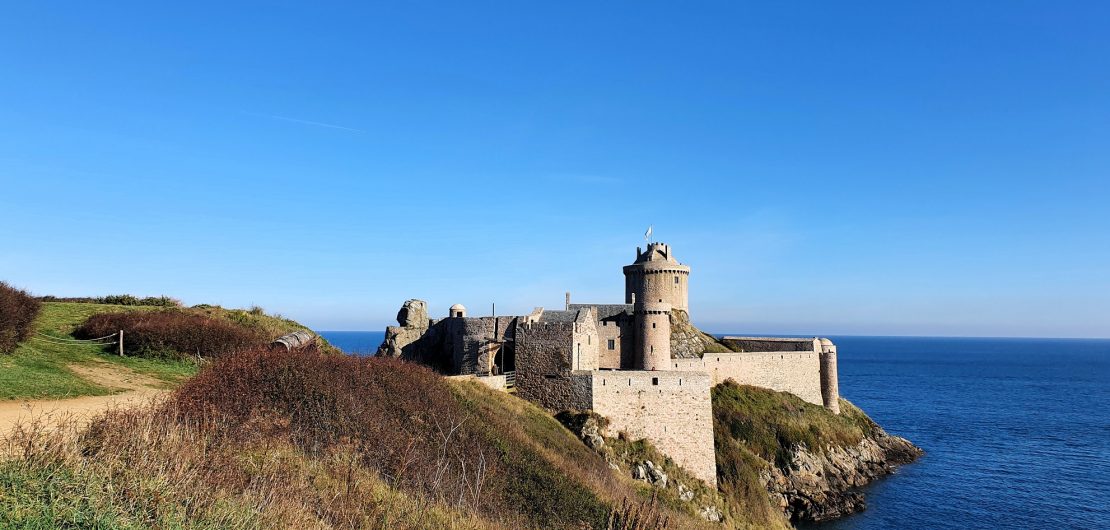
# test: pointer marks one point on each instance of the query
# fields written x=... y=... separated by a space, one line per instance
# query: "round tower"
x=457 y=311
x=830 y=388
x=656 y=277
x=653 y=326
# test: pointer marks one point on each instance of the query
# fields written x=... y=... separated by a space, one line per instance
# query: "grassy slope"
x=756 y=427
x=37 y=369
x=151 y=473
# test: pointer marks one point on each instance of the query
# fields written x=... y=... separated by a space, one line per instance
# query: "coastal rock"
x=820 y=486
x=413 y=314
x=684 y=493
x=687 y=341
x=711 y=514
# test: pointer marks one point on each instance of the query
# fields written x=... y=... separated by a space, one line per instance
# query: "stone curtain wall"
x=790 y=371
x=758 y=344
x=671 y=409
x=543 y=363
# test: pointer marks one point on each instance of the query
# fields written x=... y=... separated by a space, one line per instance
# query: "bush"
x=172 y=334
x=126 y=299
x=117 y=299
x=400 y=418
x=17 y=316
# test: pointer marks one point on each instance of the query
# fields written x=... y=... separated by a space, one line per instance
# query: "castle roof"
x=605 y=311
x=559 y=316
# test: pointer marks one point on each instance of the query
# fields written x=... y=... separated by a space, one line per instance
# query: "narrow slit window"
x=655 y=381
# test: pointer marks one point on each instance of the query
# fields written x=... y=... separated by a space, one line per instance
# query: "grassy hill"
x=273 y=439
x=43 y=367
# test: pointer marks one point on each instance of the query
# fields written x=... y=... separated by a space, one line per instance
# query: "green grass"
x=38 y=368
x=755 y=427
x=771 y=424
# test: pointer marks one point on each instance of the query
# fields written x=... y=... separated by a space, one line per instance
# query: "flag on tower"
x=647 y=235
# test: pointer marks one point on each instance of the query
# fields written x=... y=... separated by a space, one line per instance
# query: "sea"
x=1016 y=432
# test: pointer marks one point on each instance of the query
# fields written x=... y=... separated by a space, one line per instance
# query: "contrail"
x=316 y=123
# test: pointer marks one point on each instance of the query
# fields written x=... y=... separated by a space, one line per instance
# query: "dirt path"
x=135 y=388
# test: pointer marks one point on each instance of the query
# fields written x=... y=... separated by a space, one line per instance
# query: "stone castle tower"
x=655 y=284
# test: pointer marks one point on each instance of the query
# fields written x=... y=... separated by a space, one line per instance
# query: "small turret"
x=830 y=387
x=457 y=311
x=653 y=327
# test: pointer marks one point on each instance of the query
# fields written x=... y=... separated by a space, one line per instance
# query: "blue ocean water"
x=1016 y=431
x=355 y=342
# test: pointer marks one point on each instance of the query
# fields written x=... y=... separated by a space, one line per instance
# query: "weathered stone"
x=684 y=493
x=711 y=514
x=655 y=475
x=639 y=473
x=821 y=486
x=413 y=314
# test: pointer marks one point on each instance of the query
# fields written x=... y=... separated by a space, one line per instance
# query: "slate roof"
x=605 y=311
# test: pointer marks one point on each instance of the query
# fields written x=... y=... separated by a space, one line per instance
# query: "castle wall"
x=585 y=341
x=468 y=340
x=609 y=330
x=543 y=364
x=789 y=371
x=671 y=409
x=768 y=344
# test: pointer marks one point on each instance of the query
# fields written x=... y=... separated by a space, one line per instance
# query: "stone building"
x=641 y=364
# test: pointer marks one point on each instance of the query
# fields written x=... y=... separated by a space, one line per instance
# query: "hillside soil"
x=131 y=387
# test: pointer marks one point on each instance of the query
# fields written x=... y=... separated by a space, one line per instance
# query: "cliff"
x=687 y=341
x=802 y=460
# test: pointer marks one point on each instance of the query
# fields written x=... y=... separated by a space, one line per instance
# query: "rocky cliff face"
x=818 y=487
x=688 y=341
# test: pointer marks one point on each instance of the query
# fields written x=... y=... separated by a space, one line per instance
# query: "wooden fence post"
x=121 y=343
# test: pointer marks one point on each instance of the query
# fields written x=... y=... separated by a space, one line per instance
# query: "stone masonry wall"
x=671 y=409
x=609 y=330
x=585 y=340
x=543 y=362
x=791 y=371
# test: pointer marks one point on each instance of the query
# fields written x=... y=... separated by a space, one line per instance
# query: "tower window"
x=612 y=344
x=653 y=325
x=676 y=280
x=655 y=381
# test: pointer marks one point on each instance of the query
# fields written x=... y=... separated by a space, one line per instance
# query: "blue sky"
x=824 y=167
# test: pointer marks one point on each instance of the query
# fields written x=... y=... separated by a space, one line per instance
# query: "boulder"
x=413 y=314
x=684 y=493
x=711 y=514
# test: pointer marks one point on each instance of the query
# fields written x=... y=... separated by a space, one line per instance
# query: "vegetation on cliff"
x=778 y=455
x=266 y=439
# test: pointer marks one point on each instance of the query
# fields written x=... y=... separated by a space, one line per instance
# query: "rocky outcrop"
x=822 y=486
x=688 y=341
x=413 y=324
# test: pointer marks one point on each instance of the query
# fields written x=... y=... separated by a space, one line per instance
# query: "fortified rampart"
x=672 y=409
x=796 y=372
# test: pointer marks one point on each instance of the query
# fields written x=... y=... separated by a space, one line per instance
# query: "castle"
x=641 y=364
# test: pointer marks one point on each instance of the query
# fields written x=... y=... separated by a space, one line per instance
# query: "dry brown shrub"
x=172 y=333
x=18 y=310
